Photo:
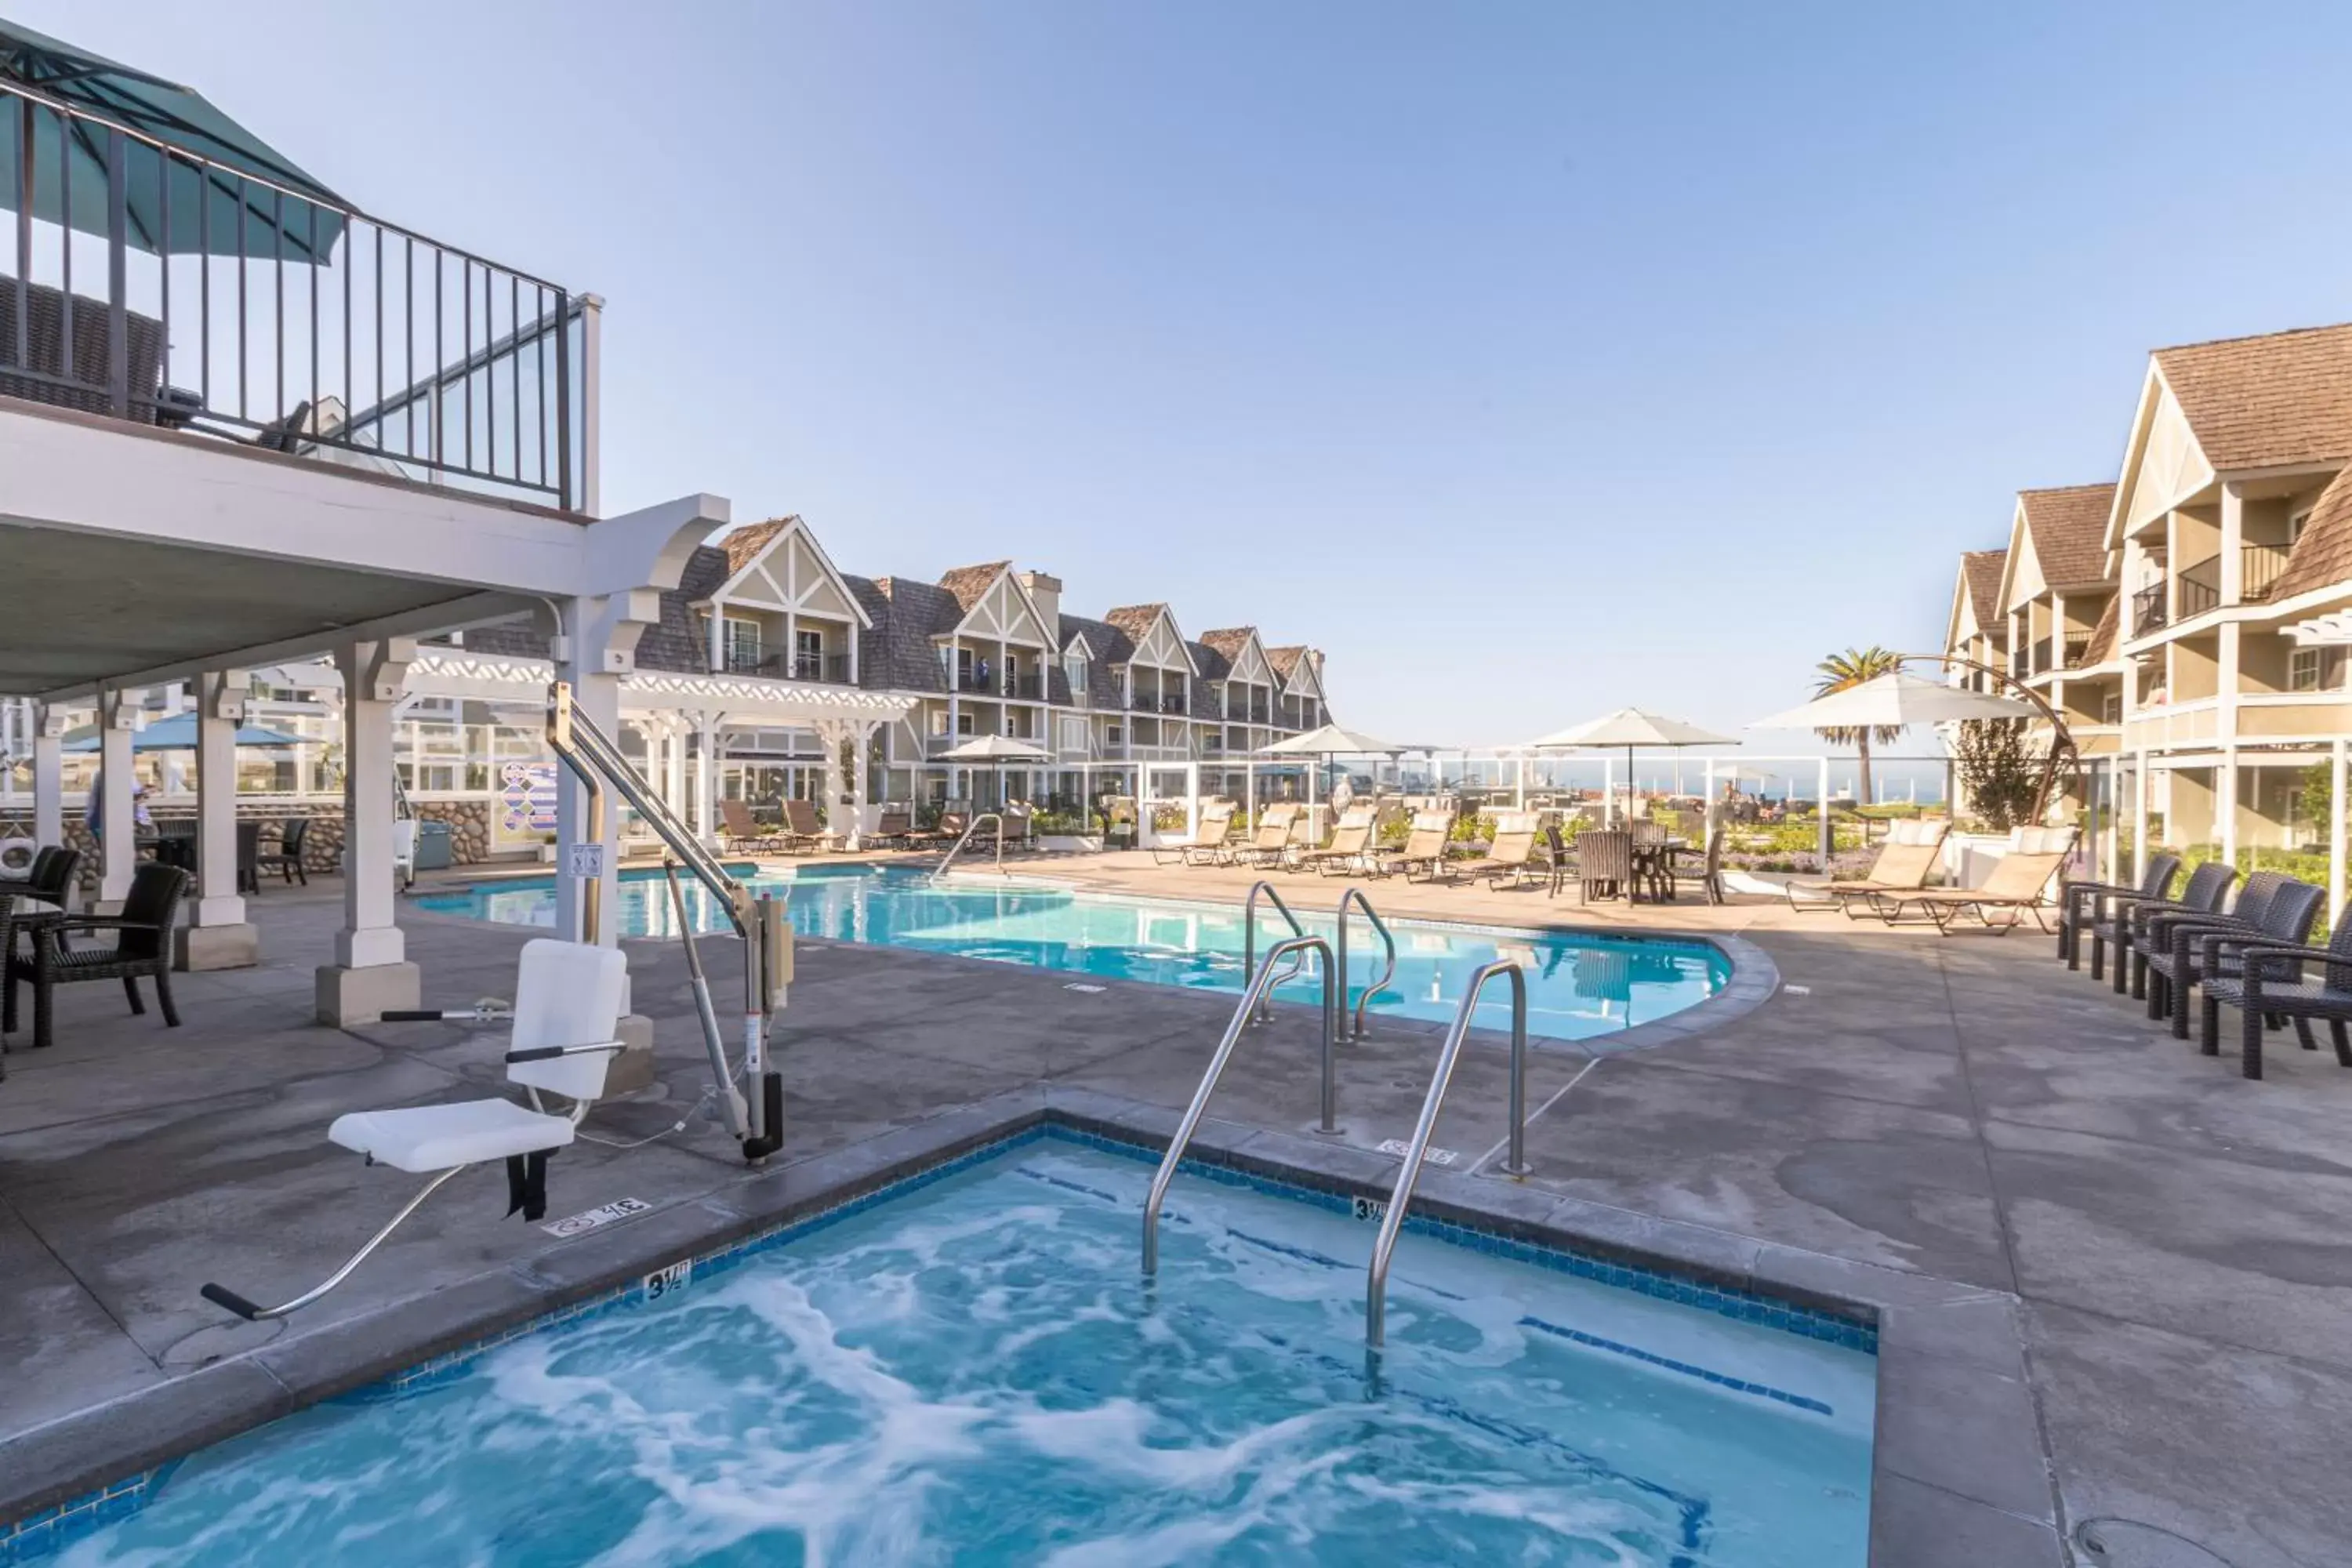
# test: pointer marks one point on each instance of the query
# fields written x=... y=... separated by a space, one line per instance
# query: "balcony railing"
x=2147 y=610
x=2259 y=567
x=2198 y=587
x=152 y=285
x=1157 y=702
x=832 y=669
x=2076 y=648
x=1022 y=687
x=2040 y=658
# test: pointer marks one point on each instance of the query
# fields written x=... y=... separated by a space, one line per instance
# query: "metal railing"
x=2148 y=612
x=1388 y=970
x=965 y=838
x=2259 y=567
x=1249 y=935
x=150 y=284
x=2040 y=657
x=831 y=669
x=2198 y=588
x=1261 y=981
x=1376 y=1279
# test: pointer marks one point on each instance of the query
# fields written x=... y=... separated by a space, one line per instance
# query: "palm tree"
x=1843 y=671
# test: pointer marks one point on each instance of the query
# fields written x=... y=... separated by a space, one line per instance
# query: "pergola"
x=666 y=706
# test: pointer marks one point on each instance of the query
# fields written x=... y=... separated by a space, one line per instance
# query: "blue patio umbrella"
x=178 y=733
x=246 y=198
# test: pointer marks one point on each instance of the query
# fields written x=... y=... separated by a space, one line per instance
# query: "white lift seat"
x=435 y=1137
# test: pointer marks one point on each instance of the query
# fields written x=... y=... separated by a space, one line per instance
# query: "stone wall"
x=322 y=851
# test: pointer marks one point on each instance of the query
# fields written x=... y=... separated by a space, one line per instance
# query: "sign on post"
x=587 y=860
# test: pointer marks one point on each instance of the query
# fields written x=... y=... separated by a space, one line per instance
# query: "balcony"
x=2148 y=613
x=2259 y=567
x=2198 y=587
x=1157 y=702
x=1020 y=688
x=831 y=669
x=2038 y=658
x=2077 y=649
x=158 y=287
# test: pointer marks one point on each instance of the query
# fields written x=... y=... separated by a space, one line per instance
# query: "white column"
x=1826 y=840
x=706 y=780
x=371 y=972
x=2139 y=816
x=118 y=721
x=597 y=649
x=218 y=935
x=49 y=777
x=2336 y=772
x=862 y=747
x=2225 y=804
x=1607 y=791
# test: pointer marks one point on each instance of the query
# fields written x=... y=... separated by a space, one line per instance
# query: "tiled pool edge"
x=1951 y=1417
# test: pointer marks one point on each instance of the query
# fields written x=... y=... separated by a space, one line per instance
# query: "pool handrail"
x=1249 y=938
x=969 y=828
x=1357 y=896
x=1260 y=982
x=1376 y=1279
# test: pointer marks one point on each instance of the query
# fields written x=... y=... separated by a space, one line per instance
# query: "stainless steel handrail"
x=1249 y=938
x=1376 y=1288
x=1388 y=972
x=969 y=828
x=1259 y=982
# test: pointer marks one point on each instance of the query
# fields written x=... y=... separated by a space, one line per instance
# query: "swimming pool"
x=1579 y=987
x=973 y=1372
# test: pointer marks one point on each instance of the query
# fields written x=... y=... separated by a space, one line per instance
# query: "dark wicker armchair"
x=48 y=883
x=143 y=946
x=1705 y=868
x=2207 y=889
x=2084 y=905
x=2272 y=984
x=2190 y=949
x=1604 y=864
x=287 y=859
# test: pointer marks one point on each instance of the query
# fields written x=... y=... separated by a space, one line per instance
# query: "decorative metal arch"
x=2062 y=749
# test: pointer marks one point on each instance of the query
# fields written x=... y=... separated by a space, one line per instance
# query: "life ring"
x=16 y=854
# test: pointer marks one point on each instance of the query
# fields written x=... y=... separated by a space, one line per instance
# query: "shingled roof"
x=2323 y=552
x=1981 y=569
x=2069 y=529
x=2101 y=646
x=1211 y=662
x=744 y=545
x=2282 y=397
x=970 y=585
x=897 y=653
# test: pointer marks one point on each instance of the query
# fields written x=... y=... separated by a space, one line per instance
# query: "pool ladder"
x=969 y=828
x=1355 y=896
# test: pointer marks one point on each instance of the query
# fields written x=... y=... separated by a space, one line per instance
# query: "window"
x=963 y=722
x=1114 y=735
x=743 y=642
x=1074 y=670
x=1074 y=734
x=2314 y=670
x=2111 y=708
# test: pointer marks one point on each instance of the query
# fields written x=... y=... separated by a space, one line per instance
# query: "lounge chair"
x=2017 y=884
x=2084 y=905
x=1206 y=846
x=1350 y=848
x=1513 y=855
x=803 y=831
x=2272 y=984
x=1015 y=831
x=1270 y=842
x=1905 y=862
x=2206 y=890
x=896 y=829
x=1425 y=846
x=743 y=832
x=2195 y=950
x=142 y=947
x=287 y=859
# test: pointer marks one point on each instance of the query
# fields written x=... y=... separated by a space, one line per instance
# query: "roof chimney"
x=1046 y=590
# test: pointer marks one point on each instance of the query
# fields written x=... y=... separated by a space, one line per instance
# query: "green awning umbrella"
x=291 y=216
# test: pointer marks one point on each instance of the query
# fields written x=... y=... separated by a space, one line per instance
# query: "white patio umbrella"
x=1330 y=741
x=1891 y=700
x=997 y=752
x=1630 y=728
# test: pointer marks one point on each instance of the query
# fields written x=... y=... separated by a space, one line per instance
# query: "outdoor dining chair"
x=287 y=859
x=2274 y=982
x=142 y=947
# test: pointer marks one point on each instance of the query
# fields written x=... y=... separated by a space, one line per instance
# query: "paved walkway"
x=2170 y=1240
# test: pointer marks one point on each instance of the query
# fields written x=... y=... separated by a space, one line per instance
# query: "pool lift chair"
x=569 y=998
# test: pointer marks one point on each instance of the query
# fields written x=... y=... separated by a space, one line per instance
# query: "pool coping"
x=1753 y=980
x=1959 y=1473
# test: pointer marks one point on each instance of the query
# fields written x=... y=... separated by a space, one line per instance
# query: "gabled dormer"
x=783 y=610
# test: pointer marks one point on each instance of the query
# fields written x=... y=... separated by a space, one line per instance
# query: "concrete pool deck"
x=1999 y=1152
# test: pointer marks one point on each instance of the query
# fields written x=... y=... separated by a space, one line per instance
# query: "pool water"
x=1579 y=987
x=974 y=1372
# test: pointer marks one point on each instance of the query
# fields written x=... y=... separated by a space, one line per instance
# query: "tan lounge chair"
x=2018 y=882
x=742 y=833
x=1350 y=848
x=1206 y=846
x=1905 y=862
x=1268 y=845
x=1513 y=855
x=803 y=831
x=1426 y=847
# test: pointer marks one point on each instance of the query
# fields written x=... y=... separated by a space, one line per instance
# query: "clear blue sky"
x=1531 y=359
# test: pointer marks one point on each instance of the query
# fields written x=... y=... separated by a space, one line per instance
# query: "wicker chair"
x=2086 y=904
x=1605 y=863
x=43 y=354
x=1707 y=873
x=2188 y=957
x=2271 y=985
x=2208 y=889
x=287 y=859
x=48 y=881
x=142 y=945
